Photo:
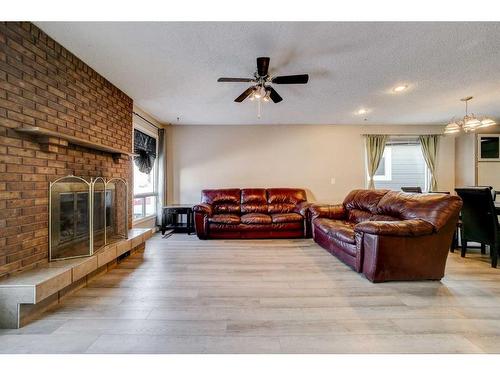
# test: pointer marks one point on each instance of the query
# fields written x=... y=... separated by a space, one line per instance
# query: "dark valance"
x=145 y=148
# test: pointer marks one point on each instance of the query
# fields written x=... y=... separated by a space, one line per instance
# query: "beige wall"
x=306 y=156
x=465 y=162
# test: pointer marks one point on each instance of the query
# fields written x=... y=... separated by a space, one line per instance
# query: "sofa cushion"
x=290 y=217
x=256 y=218
x=225 y=219
x=222 y=200
x=343 y=231
x=383 y=218
x=365 y=200
x=284 y=200
x=253 y=200
x=295 y=226
x=358 y=216
x=338 y=229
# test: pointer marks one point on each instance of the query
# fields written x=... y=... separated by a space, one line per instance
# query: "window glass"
x=138 y=208
x=403 y=165
x=150 y=205
x=143 y=183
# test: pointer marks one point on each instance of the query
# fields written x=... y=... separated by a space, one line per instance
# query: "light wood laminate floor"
x=265 y=296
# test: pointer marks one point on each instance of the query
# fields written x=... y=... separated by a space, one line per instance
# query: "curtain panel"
x=375 y=145
x=430 y=146
x=162 y=175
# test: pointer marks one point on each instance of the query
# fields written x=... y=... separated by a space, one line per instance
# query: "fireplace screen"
x=86 y=215
x=116 y=209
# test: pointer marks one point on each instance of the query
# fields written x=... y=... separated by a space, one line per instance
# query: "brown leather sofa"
x=389 y=235
x=252 y=213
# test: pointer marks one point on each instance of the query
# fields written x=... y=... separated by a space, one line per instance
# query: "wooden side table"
x=178 y=218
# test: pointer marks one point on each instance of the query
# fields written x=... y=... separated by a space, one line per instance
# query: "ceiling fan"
x=261 y=89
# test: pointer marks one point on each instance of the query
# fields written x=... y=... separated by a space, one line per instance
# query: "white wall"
x=305 y=156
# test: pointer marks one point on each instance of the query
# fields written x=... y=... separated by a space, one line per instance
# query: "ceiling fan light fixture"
x=259 y=92
x=262 y=89
x=400 y=88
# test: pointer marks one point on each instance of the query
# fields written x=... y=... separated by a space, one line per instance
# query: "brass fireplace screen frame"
x=85 y=232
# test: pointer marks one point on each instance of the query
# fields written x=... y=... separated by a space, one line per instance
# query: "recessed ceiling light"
x=400 y=88
x=362 y=111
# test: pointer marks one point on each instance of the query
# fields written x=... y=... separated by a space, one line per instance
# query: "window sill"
x=143 y=219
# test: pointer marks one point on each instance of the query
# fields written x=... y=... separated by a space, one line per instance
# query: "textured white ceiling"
x=170 y=68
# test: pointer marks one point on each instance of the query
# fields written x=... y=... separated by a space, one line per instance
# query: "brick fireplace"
x=44 y=86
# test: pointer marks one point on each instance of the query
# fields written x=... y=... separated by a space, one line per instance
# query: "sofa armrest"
x=403 y=228
x=202 y=212
x=302 y=208
x=203 y=208
x=328 y=211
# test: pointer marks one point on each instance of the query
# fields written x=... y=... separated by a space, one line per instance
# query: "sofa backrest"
x=283 y=200
x=385 y=205
x=236 y=201
x=253 y=200
x=361 y=204
x=223 y=201
x=436 y=209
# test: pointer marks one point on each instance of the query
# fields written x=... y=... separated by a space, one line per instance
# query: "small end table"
x=178 y=218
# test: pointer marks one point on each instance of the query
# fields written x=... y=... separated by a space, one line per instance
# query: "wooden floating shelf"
x=47 y=135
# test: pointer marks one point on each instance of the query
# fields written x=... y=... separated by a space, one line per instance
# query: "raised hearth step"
x=36 y=285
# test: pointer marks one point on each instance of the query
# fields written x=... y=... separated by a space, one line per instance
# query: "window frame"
x=142 y=128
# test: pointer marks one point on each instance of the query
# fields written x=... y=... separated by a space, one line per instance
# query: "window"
x=402 y=164
x=144 y=193
x=145 y=174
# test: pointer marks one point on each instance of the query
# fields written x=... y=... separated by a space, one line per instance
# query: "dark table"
x=178 y=218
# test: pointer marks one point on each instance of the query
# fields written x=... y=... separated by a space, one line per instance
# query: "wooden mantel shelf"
x=55 y=139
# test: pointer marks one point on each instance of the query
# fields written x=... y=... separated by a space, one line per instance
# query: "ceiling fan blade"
x=275 y=97
x=225 y=79
x=245 y=95
x=290 y=80
x=262 y=66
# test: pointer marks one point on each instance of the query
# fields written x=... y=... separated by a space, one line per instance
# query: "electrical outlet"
x=332 y=180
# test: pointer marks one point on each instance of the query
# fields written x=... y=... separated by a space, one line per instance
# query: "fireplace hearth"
x=85 y=215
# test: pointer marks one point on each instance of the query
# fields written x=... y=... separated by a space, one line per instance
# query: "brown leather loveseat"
x=389 y=235
x=252 y=213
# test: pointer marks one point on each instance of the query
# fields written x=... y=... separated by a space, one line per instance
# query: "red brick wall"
x=42 y=84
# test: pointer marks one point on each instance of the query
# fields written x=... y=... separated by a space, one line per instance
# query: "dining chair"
x=479 y=221
x=412 y=189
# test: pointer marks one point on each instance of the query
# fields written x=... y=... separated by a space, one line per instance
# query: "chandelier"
x=469 y=122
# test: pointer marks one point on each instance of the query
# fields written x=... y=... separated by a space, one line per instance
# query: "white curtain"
x=375 y=145
x=430 y=146
x=162 y=175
